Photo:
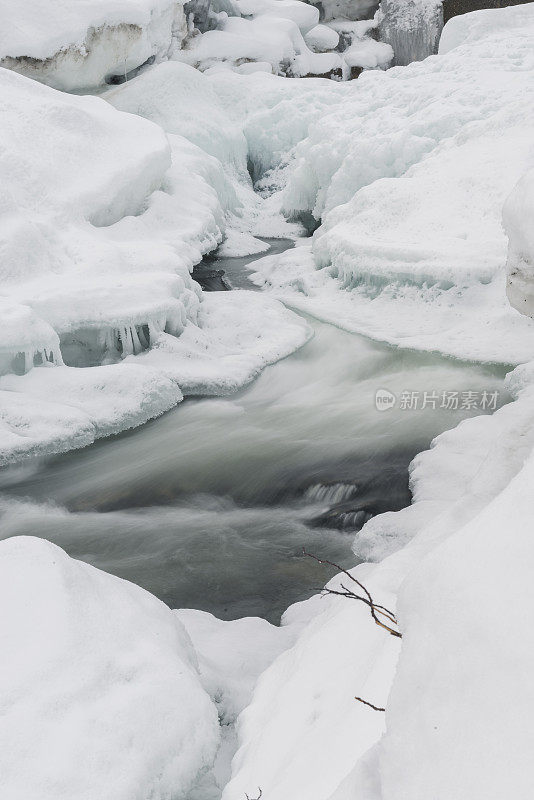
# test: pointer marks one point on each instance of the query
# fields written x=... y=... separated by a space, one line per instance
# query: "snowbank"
x=100 y=691
x=461 y=701
x=96 y=257
x=434 y=147
x=85 y=45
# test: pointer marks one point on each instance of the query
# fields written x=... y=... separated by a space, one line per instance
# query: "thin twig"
x=374 y=608
x=367 y=703
x=255 y=798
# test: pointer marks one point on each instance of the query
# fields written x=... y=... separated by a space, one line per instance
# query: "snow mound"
x=182 y=101
x=445 y=735
x=85 y=45
x=322 y=38
x=100 y=691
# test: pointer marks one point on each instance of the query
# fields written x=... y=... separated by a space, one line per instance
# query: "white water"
x=209 y=505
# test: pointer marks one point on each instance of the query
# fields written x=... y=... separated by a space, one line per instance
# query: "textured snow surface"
x=100 y=691
x=435 y=147
x=80 y=45
x=465 y=662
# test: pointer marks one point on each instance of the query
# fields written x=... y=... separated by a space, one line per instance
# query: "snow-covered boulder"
x=322 y=38
x=369 y=54
x=86 y=44
x=99 y=688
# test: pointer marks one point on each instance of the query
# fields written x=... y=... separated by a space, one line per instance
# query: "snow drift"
x=100 y=691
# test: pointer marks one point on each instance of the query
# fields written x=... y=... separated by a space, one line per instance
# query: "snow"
x=97 y=257
x=518 y=213
x=303 y=15
x=369 y=54
x=438 y=145
x=458 y=693
x=100 y=690
x=264 y=38
x=80 y=46
x=232 y=655
x=466 y=636
x=322 y=38
x=407 y=172
x=54 y=409
x=183 y=102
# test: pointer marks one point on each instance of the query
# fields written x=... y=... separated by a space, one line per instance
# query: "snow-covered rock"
x=89 y=43
x=322 y=38
x=100 y=693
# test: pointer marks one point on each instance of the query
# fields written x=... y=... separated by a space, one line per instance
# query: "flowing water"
x=210 y=505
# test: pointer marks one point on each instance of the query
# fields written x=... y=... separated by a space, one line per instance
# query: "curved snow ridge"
x=83 y=46
x=131 y=719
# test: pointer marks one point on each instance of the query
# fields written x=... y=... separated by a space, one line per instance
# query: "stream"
x=211 y=505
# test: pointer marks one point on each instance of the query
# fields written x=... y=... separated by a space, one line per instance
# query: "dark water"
x=210 y=505
x=235 y=271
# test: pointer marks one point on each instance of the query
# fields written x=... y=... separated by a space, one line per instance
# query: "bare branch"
x=374 y=608
x=367 y=703
x=255 y=798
